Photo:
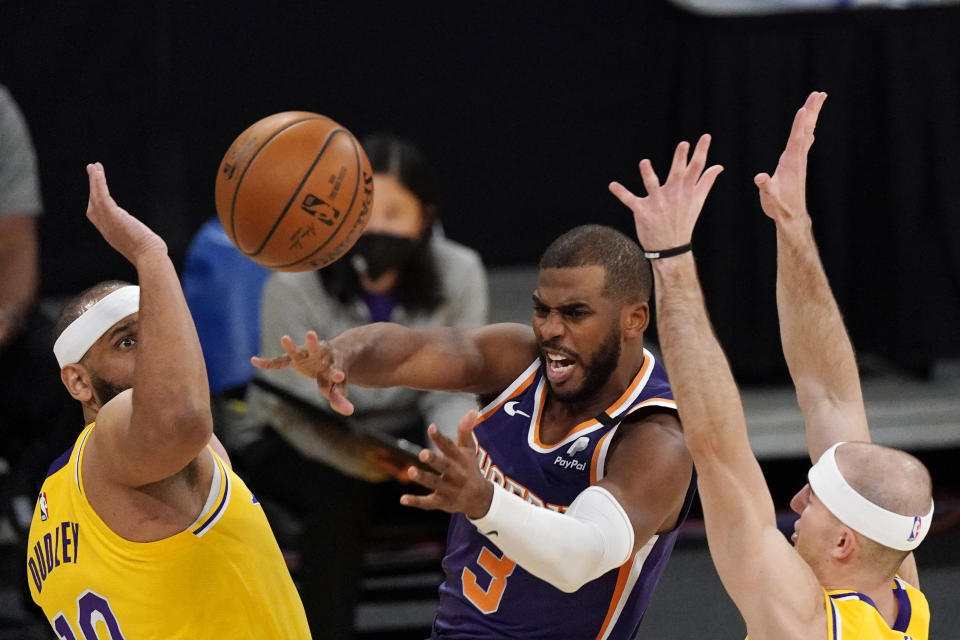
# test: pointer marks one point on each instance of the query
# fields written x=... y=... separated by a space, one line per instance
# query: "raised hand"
x=459 y=487
x=130 y=237
x=665 y=218
x=783 y=197
x=316 y=360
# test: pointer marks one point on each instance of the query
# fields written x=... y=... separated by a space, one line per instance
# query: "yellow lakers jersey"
x=854 y=616
x=223 y=577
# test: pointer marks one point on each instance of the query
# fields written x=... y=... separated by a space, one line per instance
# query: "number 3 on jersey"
x=488 y=600
x=93 y=608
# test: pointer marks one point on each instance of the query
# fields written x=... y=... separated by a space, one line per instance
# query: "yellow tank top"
x=853 y=616
x=223 y=577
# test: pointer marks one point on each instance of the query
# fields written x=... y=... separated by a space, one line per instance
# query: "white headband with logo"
x=852 y=509
x=80 y=334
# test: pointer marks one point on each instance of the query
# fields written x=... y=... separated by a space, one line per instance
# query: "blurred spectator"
x=19 y=207
x=401 y=270
x=36 y=425
x=222 y=287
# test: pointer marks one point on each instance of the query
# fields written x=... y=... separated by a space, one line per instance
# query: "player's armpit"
x=649 y=471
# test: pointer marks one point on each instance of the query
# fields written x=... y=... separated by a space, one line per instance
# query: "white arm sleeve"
x=565 y=549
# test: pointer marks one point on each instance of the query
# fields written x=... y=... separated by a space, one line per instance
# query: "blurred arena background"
x=529 y=110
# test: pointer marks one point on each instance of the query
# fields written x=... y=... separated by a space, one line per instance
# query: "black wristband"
x=666 y=253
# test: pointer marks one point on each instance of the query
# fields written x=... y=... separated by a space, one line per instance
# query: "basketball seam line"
x=356 y=190
x=236 y=190
x=306 y=176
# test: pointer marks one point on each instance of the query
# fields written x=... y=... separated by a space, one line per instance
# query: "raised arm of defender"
x=771 y=585
x=149 y=435
x=815 y=341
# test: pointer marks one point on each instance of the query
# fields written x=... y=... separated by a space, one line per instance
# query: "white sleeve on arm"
x=565 y=549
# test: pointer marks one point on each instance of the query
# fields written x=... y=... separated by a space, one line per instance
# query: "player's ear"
x=845 y=545
x=634 y=319
x=76 y=379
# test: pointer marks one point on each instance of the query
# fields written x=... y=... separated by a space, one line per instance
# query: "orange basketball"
x=294 y=191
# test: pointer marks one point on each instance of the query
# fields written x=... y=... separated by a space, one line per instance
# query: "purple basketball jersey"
x=487 y=595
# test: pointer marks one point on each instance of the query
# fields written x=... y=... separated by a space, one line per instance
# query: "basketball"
x=294 y=191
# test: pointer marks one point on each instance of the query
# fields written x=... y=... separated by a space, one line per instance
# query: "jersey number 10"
x=93 y=608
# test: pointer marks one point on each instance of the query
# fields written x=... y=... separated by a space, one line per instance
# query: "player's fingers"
x=424 y=478
x=293 y=352
x=270 y=363
x=450 y=467
x=650 y=180
x=427 y=503
x=706 y=181
x=699 y=160
x=312 y=342
x=762 y=180
x=465 y=430
x=811 y=110
x=337 y=396
x=447 y=446
x=99 y=191
x=679 y=163
x=622 y=194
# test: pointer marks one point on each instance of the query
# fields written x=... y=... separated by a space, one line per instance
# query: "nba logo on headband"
x=915 y=530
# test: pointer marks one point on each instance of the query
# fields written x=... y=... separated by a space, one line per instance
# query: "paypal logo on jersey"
x=578 y=445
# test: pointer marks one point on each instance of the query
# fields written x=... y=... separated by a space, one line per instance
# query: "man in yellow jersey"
x=142 y=530
x=851 y=573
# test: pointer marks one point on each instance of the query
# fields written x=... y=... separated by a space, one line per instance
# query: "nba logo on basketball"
x=43 y=506
x=915 y=531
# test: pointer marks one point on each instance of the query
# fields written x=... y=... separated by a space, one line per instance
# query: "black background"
x=529 y=109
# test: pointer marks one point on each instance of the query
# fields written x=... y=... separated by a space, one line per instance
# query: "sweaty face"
x=110 y=361
x=577 y=330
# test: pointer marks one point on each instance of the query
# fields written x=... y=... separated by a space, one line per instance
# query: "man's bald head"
x=889 y=478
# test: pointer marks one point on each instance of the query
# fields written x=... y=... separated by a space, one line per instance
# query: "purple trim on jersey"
x=199 y=531
x=906 y=611
x=835 y=619
x=903 y=600
x=60 y=462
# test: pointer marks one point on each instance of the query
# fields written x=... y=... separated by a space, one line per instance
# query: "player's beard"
x=596 y=372
x=104 y=389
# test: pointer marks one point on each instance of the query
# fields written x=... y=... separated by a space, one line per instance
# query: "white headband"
x=852 y=509
x=80 y=334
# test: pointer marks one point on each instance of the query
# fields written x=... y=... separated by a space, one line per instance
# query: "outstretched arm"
x=769 y=582
x=383 y=354
x=815 y=341
x=150 y=433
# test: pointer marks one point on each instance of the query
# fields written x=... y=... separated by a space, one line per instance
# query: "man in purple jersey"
x=568 y=487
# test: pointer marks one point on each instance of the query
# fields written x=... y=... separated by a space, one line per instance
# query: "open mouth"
x=559 y=366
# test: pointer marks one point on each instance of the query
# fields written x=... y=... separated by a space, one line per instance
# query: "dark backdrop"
x=529 y=109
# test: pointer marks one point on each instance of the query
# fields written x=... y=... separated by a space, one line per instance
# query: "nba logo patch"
x=44 y=514
x=915 y=530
